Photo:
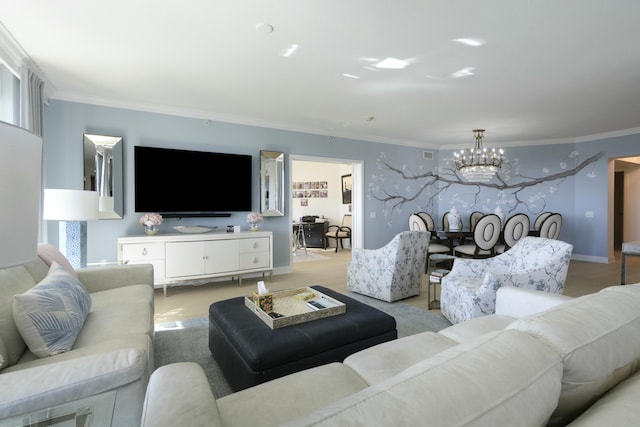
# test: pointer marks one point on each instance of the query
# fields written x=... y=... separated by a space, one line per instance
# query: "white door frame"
x=357 y=193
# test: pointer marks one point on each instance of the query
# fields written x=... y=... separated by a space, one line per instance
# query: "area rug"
x=188 y=340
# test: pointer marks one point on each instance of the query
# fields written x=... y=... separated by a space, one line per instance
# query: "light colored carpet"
x=188 y=340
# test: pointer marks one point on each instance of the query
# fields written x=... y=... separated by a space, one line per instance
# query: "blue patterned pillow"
x=50 y=315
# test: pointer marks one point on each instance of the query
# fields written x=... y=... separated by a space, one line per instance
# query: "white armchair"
x=469 y=290
x=392 y=272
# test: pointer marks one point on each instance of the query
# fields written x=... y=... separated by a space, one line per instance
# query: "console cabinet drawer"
x=260 y=244
x=252 y=260
x=142 y=251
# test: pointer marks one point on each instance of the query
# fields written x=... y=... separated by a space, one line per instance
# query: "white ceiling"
x=548 y=71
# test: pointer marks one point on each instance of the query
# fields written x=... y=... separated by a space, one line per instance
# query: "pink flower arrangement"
x=150 y=219
x=254 y=218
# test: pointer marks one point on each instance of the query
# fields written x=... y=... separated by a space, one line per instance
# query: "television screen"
x=191 y=183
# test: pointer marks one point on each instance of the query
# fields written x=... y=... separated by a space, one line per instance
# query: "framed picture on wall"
x=346 y=189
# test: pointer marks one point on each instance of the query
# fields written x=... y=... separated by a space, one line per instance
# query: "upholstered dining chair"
x=391 y=272
x=485 y=238
x=537 y=223
x=516 y=227
x=416 y=223
x=469 y=290
x=473 y=219
x=435 y=245
x=551 y=226
x=340 y=232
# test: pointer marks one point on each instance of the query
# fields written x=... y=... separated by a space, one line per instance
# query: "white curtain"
x=31 y=100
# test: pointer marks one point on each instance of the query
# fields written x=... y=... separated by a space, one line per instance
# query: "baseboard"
x=590 y=258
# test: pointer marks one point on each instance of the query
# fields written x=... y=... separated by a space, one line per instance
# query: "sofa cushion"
x=619 y=407
x=465 y=331
x=50 y=315
x=385 y=360
x=13 y=280
x=289 y=397
x=116 y=313
x=598 y=338
x=506 y=377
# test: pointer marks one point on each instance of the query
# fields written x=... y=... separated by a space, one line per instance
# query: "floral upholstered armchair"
x=392 y=272
x=469 y=290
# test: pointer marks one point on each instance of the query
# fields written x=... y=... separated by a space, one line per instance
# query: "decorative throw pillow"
x=50 y=254
x=50 y=315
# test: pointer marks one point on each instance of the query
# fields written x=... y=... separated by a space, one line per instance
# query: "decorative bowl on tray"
x=193 y=229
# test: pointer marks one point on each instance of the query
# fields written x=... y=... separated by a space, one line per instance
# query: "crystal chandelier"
x=479 y=164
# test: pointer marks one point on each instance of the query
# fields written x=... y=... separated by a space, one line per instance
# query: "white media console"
x=194 y=257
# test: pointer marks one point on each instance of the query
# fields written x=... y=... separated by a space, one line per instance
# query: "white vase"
x=454 y=220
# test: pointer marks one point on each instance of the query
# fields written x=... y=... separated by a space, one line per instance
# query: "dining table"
x=452 y=236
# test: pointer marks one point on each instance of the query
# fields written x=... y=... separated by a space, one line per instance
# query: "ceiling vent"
x=427 y=155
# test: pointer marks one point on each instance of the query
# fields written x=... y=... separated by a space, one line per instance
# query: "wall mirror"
x=103 y=172
x=272 y=183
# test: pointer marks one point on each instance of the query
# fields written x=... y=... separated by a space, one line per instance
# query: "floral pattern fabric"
x=469 y=290
x=392 y=272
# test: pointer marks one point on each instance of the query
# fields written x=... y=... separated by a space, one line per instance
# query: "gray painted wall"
x=65 y=122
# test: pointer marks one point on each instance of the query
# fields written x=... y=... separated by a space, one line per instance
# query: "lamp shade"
x=70 y=205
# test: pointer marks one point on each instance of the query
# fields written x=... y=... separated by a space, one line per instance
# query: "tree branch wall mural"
x=398 y=186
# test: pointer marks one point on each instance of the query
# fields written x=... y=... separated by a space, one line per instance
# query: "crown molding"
x=606 y=135
x=226 y=118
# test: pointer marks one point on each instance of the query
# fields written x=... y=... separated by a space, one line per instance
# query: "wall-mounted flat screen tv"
x=185 y=183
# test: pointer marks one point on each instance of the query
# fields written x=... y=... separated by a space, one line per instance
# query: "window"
x=9 y=96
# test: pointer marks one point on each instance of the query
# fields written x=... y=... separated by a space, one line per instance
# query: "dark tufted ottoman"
x=249 y=352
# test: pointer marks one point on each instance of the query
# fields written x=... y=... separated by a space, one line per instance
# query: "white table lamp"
x=73 y=208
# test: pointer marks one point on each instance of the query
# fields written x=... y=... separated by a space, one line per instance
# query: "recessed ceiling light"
x=351 y=76
x=470 y=41
x=290 y=50
x=463 y=72
x=264 y=28
x=369 y=118
x=392 y=63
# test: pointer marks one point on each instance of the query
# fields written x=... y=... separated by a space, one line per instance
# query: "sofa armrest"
x=101 y=278
x=28 y=390
x=179 y=394
x=520 y=302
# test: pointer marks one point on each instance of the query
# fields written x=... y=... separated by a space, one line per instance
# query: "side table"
x=435 y=277
x=630 y=248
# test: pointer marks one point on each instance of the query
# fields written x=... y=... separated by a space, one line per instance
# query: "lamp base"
x=73 y=242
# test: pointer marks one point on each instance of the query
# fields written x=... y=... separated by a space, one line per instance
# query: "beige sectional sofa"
x=542 y=359
x=104 y=376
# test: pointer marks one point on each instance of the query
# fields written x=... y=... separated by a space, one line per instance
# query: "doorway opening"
x=324 y=198
x=624 y=203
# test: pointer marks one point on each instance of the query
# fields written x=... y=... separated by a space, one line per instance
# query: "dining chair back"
x=540 y=219
x=485 y=238
x=473 y=219
x=515 y=228
x=428 y=219
x=416 y=223
x=551 y=226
